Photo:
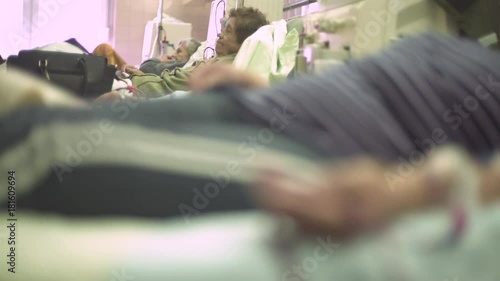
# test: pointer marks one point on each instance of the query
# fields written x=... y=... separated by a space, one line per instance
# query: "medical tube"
x=300 y=62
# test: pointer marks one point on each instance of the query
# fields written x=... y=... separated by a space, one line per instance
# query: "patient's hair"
x=248 y=20
x=192 y=45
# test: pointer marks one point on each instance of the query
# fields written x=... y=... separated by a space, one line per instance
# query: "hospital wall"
x=131 y=17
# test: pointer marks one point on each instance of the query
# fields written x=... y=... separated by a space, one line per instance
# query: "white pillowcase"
x=269 y=52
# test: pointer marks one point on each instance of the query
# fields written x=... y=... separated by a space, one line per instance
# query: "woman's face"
x=228 y=44
x=181 y=54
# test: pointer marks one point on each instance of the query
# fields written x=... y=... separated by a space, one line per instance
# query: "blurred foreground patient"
x=376 y=118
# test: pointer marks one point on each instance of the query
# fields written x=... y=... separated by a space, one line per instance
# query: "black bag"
x=84 y=74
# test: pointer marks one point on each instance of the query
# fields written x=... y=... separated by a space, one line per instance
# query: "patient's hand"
x=206 y=77
x=108 y=97
x=167 y=58
x=362 y=194
x=132 y=70
x=112 y=96
x=342 y=200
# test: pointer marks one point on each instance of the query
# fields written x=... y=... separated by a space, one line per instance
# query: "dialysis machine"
x=172 y=31
x=343 y=29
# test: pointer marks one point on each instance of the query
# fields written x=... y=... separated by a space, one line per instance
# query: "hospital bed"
x=270 y=53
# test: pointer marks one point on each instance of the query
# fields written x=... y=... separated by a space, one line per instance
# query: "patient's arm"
x=108 y=97
x=132 y=70
x=356 y=196
x=167 y=59
x=206 y=77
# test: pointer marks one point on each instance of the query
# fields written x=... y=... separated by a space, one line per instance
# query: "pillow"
x=269 y=52
x=197 y=56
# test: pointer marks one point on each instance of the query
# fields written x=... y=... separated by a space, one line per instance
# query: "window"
x=32 y=23
x=11 y=26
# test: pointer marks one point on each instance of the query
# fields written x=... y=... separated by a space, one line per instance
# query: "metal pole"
x=160 y=30
x=30 y=19
x=298 y=4
x=161 y=11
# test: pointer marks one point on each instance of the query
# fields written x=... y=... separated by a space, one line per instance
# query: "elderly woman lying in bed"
x=153 y=66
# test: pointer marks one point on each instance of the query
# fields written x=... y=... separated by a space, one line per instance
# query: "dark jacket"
x=156 y=66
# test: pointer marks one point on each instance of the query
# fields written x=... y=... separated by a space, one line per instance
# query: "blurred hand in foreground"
x=112 y=96
x=206 y=77
x=357 y=196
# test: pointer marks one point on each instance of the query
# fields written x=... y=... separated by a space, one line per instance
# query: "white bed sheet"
x=239 y=246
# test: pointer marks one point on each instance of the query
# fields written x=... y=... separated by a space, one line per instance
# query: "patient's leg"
x=113 y=57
